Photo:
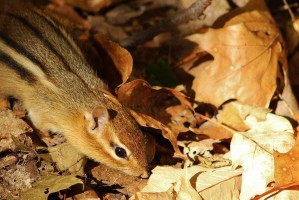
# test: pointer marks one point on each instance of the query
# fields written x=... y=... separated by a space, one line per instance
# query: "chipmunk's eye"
x=120 y=152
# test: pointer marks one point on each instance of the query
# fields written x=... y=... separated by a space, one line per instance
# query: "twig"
x=289 y=10
x=192 y=13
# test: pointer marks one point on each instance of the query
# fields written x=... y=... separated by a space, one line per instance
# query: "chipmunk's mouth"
x=141 y=173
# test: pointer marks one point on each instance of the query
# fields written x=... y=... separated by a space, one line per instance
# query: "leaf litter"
x=221 y=134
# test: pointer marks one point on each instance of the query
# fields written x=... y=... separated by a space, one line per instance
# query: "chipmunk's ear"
x=97 y=119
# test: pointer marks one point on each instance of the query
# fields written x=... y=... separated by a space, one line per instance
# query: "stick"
x=192 y=13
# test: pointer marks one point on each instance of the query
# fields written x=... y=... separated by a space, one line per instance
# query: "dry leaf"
x=157 y=196
x=214 y=130
x=287 y=106
x=161 y=108
x=287 y=192
x=68 y=158
x=230 y=116
x=114 y=61
x=129 y=184
x=48 y=185
x=185 y=189
x=198 y=147
x=148 y=121
x=18 y=175
x=246 y=52
x=195 y=182
x=233 y=62
x=11 y=127
x=233 y=115
x=88 y=194
x=286 y=165
x=257 y=164
x=253 y=150
x=165 y=178
x=222 y=183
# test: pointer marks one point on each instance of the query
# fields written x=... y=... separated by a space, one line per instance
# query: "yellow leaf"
x=48 y=185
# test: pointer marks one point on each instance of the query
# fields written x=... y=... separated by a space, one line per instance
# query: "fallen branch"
x=192 y=13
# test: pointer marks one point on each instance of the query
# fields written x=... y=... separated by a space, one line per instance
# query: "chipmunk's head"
x=113 y=139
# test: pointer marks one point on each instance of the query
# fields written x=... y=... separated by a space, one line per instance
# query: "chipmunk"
x=42 y=67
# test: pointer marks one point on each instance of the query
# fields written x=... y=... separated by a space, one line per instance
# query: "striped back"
x=37 y=47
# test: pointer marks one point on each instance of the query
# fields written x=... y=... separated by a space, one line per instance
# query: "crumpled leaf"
x=148 y=121
x=88 y=194
x=286 y=165
x=233 y=115
x=253 y=150
x=195 y=182
x=185 y=190
x=163 y=179
x=206 y=144
x=149 y=196
x=48 y=185
x=280 y=193
x=222 y=183
x=286 y=175
x=197 y=147
x=257 y=163
x=68 y=158
x=246 y=52
x=114 y=62
x=109 y=176
x=160 y=108
x=11 y=128
x=214 y=130
x=287 y=106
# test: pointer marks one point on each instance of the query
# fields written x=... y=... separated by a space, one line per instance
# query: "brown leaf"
x=148 y=121
x=253 y=149
x=117 y=58
x=234 y=114
x=286 y=165
x=130 y=184
x=67 y=12
x=50 y=184
x=246 y=52
x=162 y=108
x=87 y=194
x=287 y=106
x=230 y=116
x=213 y=129
x=68 y=158
x=18 y=175
x=195 y=182
x=11 y=129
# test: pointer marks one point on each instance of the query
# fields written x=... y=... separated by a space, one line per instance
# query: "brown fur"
x=42 y=66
